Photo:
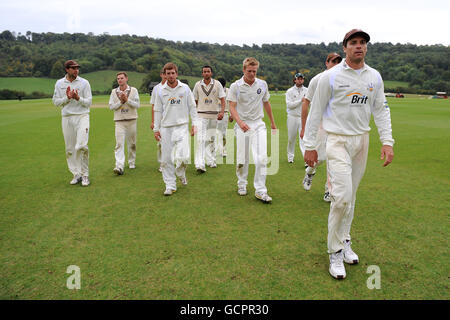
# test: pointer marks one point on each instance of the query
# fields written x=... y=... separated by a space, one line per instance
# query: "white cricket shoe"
x=327 y=197
x=183 y=181
x=264 y=197
x=132 y=166
x=169 y=192
x=212 y=165
x=307 y=181
x=349 y=256
x=242 y=191
x=337 y=269
x=160 y=169
x=118 y=171
x=76 y=179
x=85 y=181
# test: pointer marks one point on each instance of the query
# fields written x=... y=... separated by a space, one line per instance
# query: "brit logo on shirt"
x=173 y=101
x=258 y=91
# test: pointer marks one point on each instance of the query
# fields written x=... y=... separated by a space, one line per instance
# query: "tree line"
x=424 y=68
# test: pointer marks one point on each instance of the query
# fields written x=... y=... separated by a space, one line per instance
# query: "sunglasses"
x=336 y=60
x=298 y=75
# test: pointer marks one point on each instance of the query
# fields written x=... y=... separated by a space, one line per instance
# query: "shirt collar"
x=210 y=82
x=347 y=67
x=242 y=82
x=76 y=79
x=127 y=89
x=166 y=86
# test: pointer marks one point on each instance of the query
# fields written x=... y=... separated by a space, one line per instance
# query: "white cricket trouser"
x=125 y=131
x=294 y=126
x=76 y=136
x=255 y=139
x=222 y=126
x=346 y=161
x=175 y=153
x=205 y=142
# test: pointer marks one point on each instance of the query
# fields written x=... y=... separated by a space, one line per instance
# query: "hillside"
x=101 y=82
x=423 y=68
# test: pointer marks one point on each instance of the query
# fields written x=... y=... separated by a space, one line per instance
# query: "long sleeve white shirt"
x=72 y=106
x=155 y=92
x=344 y=100
x=294 y=97
x=173 y=106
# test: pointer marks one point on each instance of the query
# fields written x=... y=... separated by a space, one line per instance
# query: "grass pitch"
x=205 y=241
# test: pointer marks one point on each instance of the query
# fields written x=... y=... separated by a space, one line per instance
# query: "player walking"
x=346 y=97
x=124 y=100
x=173 y=106
x=210 y=100
x=248 y=97
x=156 y=90
x=222 y=125
x=294 y=98
x=332 y=60
x=73 y=95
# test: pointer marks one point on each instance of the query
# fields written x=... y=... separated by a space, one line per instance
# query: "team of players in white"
x=342 y=99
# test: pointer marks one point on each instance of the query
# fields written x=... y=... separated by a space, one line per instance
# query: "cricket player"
x=155 y=92
x=73 y=95
x=210 y=100
x=345 y=98
x=247 y=98
x=294 y=98
x=173 y=106
x=222 y=125
x=332 y=60
x=124 y=101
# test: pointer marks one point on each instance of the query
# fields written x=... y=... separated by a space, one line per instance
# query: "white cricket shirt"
x=294 y=96
x=155 y=92
x=312 y=87
x=249 y=99
x=345 y=100
x=72 y=106
x=173 y=106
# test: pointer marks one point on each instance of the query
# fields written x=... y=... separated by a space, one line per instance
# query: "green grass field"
x=390 y=85
x=205 y=241
x=99 y=80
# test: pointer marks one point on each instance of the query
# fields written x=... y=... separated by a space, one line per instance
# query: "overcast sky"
x=236 y=21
